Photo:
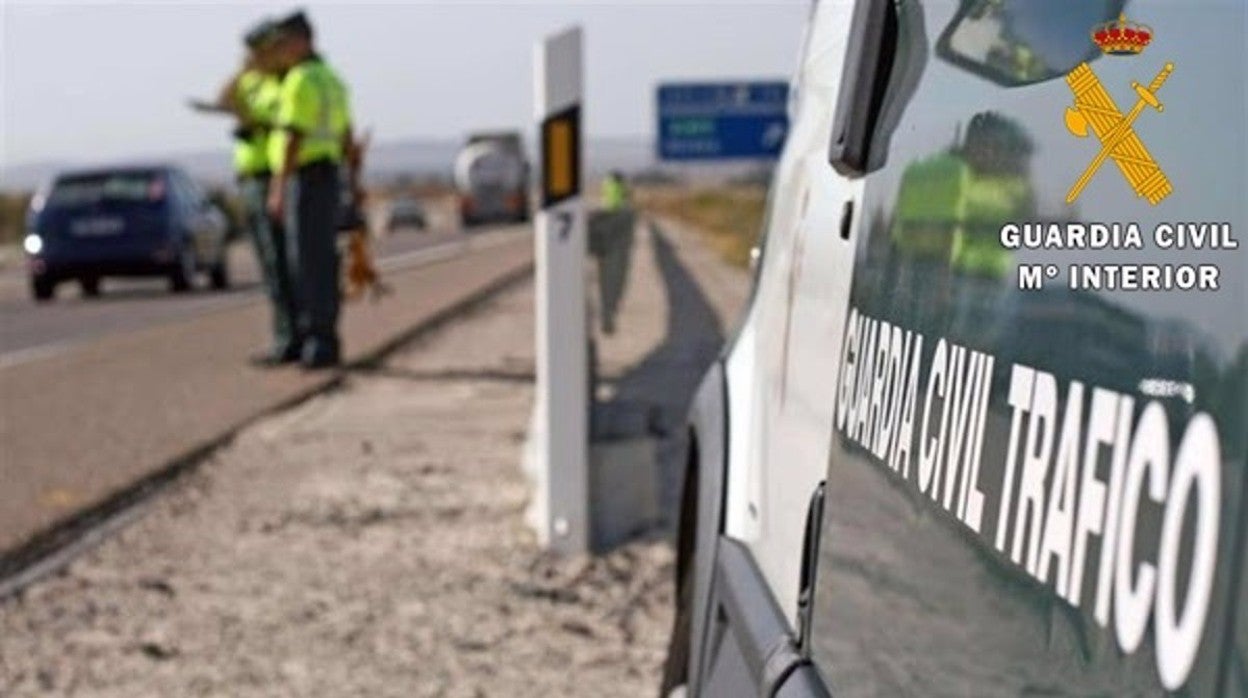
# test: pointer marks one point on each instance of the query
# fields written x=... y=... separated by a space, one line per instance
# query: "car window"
x=195 y=193
x=189 y=194
x=192 y=197
x=1040 y=490
x=106 y=188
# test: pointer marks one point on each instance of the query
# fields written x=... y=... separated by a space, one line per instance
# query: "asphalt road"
x=98 y=394
x=30 y=330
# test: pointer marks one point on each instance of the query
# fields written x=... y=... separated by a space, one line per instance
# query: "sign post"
x=559 y=439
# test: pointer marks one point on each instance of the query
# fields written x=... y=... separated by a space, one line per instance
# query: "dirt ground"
x=369 y=542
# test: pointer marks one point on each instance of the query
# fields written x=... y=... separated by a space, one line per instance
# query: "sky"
x=98 y=81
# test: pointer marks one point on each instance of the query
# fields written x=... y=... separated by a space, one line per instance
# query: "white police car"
x=934 y=464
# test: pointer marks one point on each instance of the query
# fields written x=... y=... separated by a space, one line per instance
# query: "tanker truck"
x=492 y=179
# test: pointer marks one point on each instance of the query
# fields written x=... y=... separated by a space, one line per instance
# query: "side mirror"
x=886 y=56
x=1020 y=42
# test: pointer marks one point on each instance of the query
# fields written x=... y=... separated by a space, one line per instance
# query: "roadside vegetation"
x=729 y=216
x=12 y=216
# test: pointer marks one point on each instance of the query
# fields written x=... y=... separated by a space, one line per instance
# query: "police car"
x=962 y=443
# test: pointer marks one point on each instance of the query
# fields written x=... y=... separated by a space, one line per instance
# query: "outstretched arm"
x=227 y=101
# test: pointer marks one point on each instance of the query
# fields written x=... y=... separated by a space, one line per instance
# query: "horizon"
x=390 y=160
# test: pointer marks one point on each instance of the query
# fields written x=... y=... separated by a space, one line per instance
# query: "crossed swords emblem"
x=1094 y=107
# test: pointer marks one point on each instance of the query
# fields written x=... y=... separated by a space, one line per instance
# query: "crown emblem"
x=1122 y=38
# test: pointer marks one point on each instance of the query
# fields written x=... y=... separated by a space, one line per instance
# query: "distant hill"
x=418 y=158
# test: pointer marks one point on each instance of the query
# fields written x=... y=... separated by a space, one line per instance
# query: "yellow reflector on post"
x=561 y=156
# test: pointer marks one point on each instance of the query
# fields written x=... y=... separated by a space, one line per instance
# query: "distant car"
x=126 y=221
x=405 y=213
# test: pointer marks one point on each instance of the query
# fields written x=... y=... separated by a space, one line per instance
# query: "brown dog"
x=361 y=273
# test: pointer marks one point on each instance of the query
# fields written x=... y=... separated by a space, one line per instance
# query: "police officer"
x=998 y=190
x=312 y=141
x=253 y=96
x=250 y=96
x=613 y=245
x=929 y=212
x=950 y=208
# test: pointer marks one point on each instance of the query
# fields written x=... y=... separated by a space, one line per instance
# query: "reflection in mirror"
x=1020 y=42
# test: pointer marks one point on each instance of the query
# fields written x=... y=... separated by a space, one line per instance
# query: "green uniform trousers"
x=269 y=242
x=611 y=238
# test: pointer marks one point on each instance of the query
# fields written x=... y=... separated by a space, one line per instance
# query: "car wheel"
x=219 y=276
x=184 y=272
x=90 y=286
x=43 y=289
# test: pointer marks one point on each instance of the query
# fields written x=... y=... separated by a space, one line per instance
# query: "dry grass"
x=12 y=216
x=729 y=216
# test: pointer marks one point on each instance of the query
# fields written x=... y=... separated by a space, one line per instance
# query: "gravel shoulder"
x=369 y=542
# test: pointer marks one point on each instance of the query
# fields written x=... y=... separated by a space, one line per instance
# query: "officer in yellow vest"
x=250 y=96
x=255 y=97
x=926 y=220
x=611 y=231
x=311 y=142
x=950 y=209
x=998 y=152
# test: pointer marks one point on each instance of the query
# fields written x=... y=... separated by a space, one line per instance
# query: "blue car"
x=125 y=221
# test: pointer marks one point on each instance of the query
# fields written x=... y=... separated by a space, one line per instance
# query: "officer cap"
x=295 y=23
x=262 y=33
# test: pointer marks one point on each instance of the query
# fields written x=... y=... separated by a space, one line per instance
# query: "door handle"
x=810 y=565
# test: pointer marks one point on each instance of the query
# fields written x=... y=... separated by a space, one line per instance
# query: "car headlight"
x=33 y=244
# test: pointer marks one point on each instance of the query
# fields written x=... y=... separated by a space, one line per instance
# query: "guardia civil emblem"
x=1094 y=108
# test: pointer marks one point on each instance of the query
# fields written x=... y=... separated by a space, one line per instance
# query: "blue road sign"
x=722 y=120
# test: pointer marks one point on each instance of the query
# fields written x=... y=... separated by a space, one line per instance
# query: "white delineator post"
x=559 y=439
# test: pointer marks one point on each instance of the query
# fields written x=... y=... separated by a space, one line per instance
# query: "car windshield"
x=129 y=188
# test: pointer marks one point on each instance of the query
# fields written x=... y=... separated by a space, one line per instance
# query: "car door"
x=1042 y=491
x=812 y=258
x=744 y=646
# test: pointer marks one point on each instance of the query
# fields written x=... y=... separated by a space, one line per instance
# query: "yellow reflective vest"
x=991 y=202
x=947 y=212
x=614 y=195
x=313 y=103
x=256 y=93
